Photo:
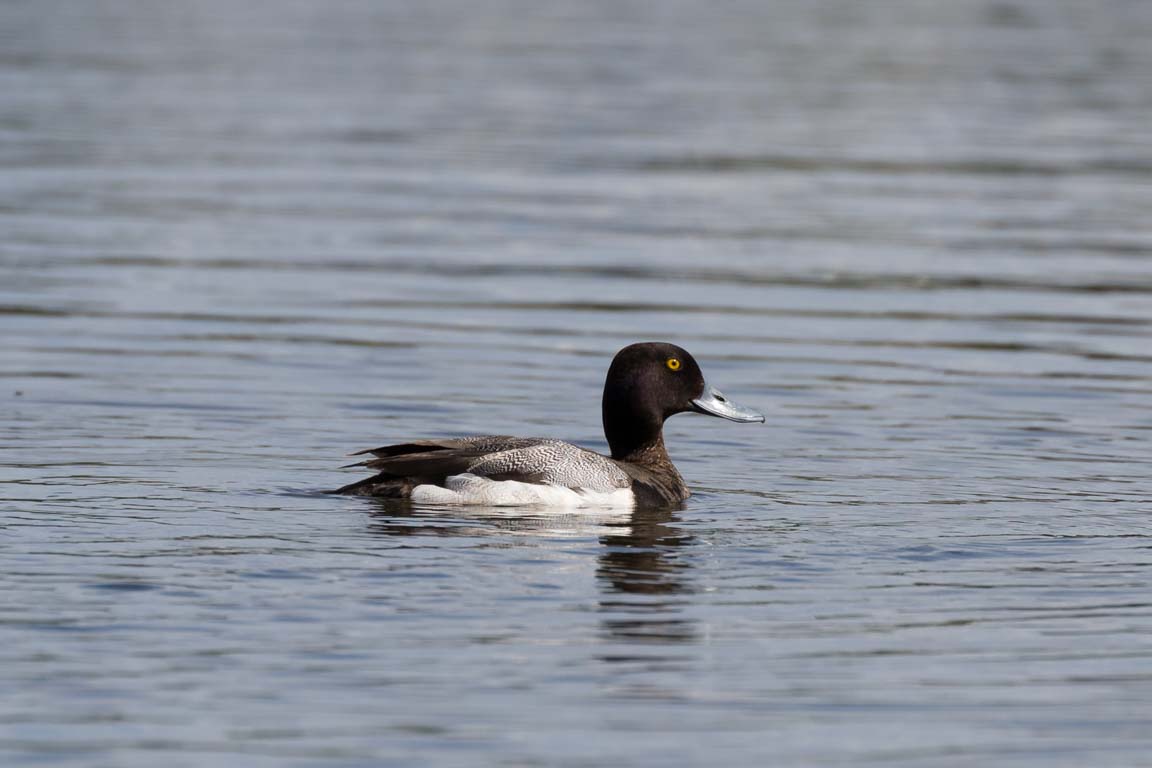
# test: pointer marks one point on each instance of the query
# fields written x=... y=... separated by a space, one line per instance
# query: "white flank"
x=472 y=489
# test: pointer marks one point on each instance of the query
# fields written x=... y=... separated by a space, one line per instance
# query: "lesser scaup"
x=646 y=384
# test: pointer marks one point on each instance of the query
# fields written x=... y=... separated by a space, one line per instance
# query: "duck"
x=647 y=383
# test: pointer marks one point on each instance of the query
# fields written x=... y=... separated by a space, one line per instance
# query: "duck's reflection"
x=642 y=571
x=644 y=574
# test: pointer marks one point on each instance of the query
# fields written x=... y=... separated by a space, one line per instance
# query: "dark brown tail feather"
x=381 y=486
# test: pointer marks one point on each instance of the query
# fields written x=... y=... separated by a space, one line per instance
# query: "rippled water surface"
x=243 y=239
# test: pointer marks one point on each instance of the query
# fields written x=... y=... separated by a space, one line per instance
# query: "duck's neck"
x=635 y=438
x=651 y=454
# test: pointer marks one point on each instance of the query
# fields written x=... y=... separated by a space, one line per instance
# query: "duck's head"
x=650 y=381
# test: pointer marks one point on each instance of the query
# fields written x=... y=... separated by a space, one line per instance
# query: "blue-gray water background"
x=240 y=239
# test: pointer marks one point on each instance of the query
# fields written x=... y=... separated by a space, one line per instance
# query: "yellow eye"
x=672 y=363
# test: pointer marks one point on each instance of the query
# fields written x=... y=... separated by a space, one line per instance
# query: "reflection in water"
x=642 y=571
x=393 y=517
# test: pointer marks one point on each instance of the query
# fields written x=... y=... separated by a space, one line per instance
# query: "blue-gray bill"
x=714 y=403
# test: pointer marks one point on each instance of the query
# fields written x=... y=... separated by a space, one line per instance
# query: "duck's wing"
x=401 y=467
x=498 y=457
x=433 y=460
x=553 y=462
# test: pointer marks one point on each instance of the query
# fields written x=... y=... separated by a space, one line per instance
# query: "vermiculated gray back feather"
x=553 y=462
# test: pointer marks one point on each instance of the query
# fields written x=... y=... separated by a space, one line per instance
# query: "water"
x=243 y=239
